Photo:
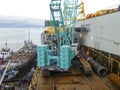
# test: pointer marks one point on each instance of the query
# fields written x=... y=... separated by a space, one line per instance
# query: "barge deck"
x=73 y=80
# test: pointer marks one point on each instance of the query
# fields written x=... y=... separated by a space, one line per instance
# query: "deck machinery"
x=57 y=55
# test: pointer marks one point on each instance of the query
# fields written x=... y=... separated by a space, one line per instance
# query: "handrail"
x=34 y=79
x=111 y=60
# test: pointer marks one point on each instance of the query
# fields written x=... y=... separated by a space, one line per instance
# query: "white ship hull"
x=103 y=34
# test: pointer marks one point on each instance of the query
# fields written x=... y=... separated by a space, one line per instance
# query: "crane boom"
x=70 y=13
x=56 y=12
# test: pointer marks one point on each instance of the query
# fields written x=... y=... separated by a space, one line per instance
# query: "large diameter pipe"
x=115 y=79
x=98 y=68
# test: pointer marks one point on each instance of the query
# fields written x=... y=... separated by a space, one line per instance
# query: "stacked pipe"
x=98 y=68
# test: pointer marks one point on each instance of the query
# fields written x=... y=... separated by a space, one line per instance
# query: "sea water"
x=13 y=38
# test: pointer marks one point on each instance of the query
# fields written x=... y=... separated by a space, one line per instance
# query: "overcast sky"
x=40 y=8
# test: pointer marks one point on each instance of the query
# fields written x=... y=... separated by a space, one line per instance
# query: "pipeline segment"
x=115 y=79
x=99 y=69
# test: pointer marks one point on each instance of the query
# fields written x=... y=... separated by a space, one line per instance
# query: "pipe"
x=115 y=79
x=98 y=68
x=12 y=80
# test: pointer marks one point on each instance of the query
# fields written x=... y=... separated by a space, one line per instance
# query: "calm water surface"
x=14 y=37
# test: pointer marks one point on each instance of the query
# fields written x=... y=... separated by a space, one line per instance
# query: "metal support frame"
x=70 y=13
x=81 y=11
x=56 y=12
x=110 y=61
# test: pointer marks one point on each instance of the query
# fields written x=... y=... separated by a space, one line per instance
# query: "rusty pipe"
x=98 y=68
x=115 y=79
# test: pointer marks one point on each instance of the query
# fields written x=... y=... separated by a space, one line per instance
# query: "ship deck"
x=72 y=81
x=21 y=56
